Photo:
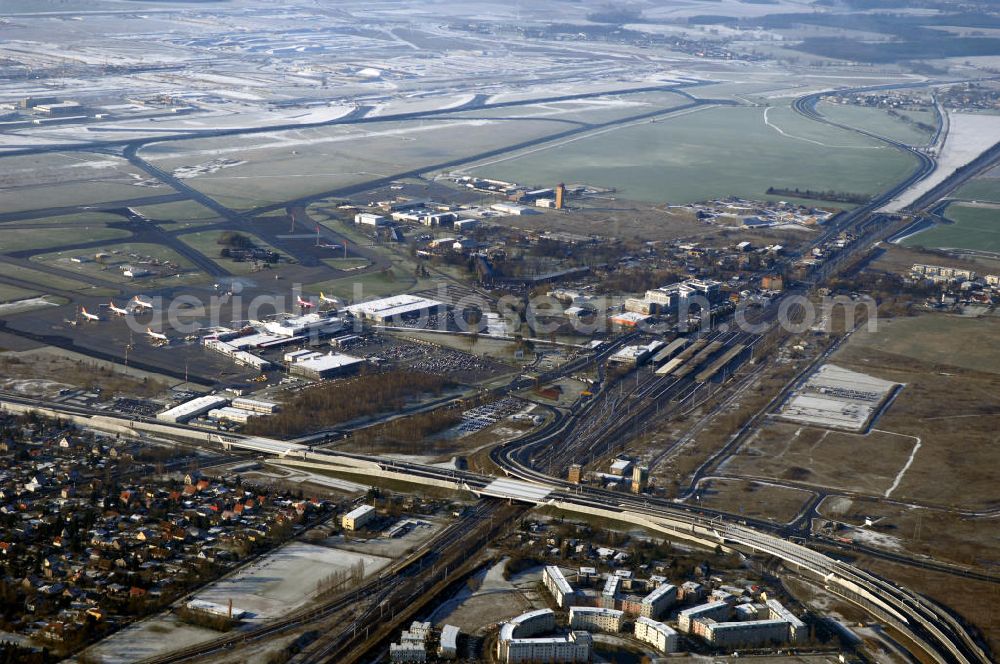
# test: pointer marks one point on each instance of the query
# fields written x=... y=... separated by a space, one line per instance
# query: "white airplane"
x=117 y=310
x=142 y=304
x=328 y=300
x=156 y=336
x=305 y=304
x=88 y=316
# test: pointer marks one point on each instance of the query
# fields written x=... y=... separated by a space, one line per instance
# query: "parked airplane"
x=305 y=304
x=88 y=316
x=142 y=304
x=328 y=300
x=117 y=310
x=156 y=336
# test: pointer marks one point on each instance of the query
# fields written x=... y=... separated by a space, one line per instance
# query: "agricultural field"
x=880 y=122
x=975 y=228
x=710 y=153
x=985 y=188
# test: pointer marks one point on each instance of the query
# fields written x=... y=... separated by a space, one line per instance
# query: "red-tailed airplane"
x=117 y=310
x=142 y=304
x=157 y=336
x=88 y=316
x=305 y=304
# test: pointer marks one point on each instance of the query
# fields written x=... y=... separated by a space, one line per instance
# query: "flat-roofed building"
x=655 y=603
x=746 y=634
x=448 y=643
x=575 y=647
x=369 y=219
x=192 y=409
x=326 y=366
x=398 y=307
x=655 y=633
x=357 y=517
x=608 y=595
x=797 y=631
x=713 y=610
x=230 y=414
x=595 y=619
x=264 y=407
x=557 y=584
x=407 y=651
x=691 y=591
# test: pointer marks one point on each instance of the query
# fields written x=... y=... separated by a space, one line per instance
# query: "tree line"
x=329 y=404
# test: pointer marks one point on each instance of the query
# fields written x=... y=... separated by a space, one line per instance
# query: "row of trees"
x=329 y=404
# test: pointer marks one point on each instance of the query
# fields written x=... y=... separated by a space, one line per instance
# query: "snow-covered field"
x=969 y=135
x=268 y=589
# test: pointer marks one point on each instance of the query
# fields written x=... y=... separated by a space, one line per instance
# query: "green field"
x=286 y=165
x=976 y=228
x=44 y=280
x=207 y=244
x=346 y=263
x=21 y=239
x=123 y=254
x=878 y=121
x=66 y=179
x=924 y=338
x=11 y=293
x=180 y=211
x=980 y=189
x=712 y=153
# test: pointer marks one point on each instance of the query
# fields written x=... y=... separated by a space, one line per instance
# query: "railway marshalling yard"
x=267 y=142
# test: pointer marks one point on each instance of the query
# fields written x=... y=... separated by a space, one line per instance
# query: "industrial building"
x=640 y=478
x=398 y=307
x=511 y=209
x=635 y=355
x=713 y=610
x=369 y=219
x=357 y=517
x=630 y=319
x=596 y=619
x=448 y=644
x=326 y=366
x=192 y=409
x=261 y=407
x=226 y=611
x=557 y=584
x=655 y=633
x=230 y=414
